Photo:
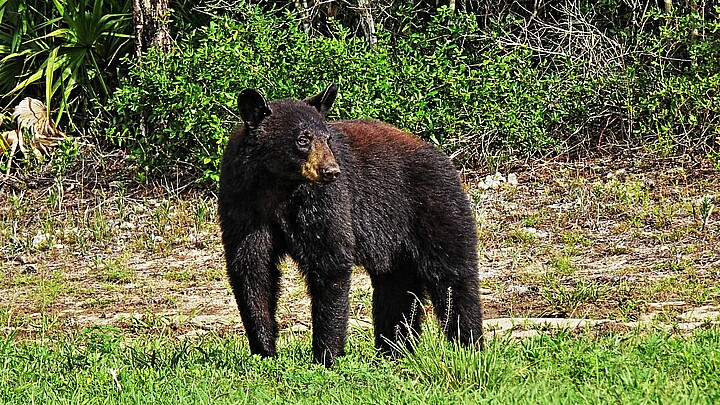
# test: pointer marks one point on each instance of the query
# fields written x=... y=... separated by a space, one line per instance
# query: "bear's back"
x=366 y=135
x=381 y=149
x=406 y=194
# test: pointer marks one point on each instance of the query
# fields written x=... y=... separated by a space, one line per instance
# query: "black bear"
x=336 y=194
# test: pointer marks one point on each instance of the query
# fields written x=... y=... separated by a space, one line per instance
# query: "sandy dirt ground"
x=593 y=242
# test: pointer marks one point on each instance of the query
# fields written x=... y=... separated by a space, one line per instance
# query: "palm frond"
x=32 y=114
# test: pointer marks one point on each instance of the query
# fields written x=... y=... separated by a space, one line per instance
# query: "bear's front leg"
x=330 y=311
x=252 y=267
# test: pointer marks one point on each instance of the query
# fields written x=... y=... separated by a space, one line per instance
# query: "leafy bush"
x=466 y=102
x=678 y=107
x=453 y=83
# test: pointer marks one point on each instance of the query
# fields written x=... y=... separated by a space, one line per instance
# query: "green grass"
x=610 y=253
x=106 y=365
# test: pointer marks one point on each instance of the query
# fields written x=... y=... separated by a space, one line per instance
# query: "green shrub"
x=469 y=103
x=679 y=108
x=452 y=83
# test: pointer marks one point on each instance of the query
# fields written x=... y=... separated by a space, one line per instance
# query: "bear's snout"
x=329 y=173
x=320 y=165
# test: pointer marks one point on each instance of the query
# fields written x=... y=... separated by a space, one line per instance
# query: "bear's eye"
x=303 y=140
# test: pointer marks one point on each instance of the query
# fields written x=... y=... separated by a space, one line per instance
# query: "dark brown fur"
x=359 y=193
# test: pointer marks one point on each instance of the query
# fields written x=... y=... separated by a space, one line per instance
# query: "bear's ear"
x=324 y=100
x=253 y=107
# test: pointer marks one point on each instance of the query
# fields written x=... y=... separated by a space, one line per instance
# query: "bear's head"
x=292 y=134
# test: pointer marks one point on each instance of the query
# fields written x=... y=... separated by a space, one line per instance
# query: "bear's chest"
x=315 y=212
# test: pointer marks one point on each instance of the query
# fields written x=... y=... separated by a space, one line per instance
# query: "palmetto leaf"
x=68 y=48
x=12 y=140
x=33 y=115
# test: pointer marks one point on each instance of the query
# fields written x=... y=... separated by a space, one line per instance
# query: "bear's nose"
x=330 y=173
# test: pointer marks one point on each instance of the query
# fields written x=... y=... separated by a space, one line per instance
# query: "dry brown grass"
x=600 y=239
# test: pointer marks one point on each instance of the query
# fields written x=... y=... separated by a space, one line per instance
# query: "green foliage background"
x=450 y=83
x=424 y=83
x=456 y=79
x=63 y=52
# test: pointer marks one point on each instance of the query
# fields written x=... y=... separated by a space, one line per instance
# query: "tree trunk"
x=668 y=6
x=304 y=11
x=367 y=21
x=151 y=29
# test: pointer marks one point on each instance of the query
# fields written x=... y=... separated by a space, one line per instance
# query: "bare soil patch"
x=602 y=239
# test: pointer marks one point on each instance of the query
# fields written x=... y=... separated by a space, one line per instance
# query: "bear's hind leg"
x=397 y=309
x=458 y=309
